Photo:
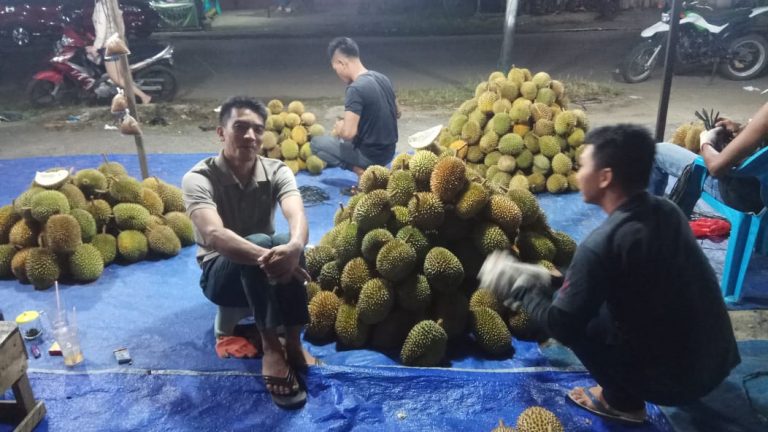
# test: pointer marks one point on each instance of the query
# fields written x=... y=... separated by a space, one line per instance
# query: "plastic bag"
x=709 y=227
x=119 y=103
x=115 y=46
x=129 y=125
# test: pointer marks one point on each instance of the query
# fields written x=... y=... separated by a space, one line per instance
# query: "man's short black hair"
x=345 y=46
x=628 y=150
x=240 y=102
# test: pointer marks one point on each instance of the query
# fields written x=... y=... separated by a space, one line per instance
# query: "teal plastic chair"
x=748 y=230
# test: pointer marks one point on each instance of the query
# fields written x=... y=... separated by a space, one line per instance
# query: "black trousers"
x=226 y=283
x=625 y=381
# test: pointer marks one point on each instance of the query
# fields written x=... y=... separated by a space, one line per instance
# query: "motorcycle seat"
x=726 y=16
x=142 y=50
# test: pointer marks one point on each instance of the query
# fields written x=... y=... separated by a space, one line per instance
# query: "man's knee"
x=280 y=239
x=261 y=240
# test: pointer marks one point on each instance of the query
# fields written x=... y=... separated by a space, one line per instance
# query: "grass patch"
x=580 y=90
x=449 y=97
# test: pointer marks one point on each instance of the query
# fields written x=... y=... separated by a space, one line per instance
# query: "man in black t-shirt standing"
x=640 y=305
x=367 y=134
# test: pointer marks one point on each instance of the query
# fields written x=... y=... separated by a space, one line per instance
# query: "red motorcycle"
x=75 y=76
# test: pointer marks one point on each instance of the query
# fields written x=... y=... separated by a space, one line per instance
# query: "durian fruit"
x=489 y=237
x=503 y=211
x=565 y=248
x=152 y=202
x=330 y=276
x=8 y=218
x=296 y=107
x=692 y=137
x=372 y=243
x=448 y=178
x=316 y=257
x=101 y=212
x=414 y=294
x=425 y=345
x=395 y=260
x=502 y=427
x=490 y=331
x=413 y=237
x=536 y=418
x=42 y=268
x=63 y=234
x=372 y=211
x=535 y=247
x=129 y=216
x=7 y=253
x=557 y=183
x=376 y=301
x=390 y=333
x=162 y=240
x=74 y=196
x=86 y=263
x=443 y=270
x=374 y=177
x=48 y=203
x=453 y=309
x=484 y=297
x=322 y=315
x=426 y=211
x=351 y=332
x=421 y=165
x=353 y=276
x=106 y=244
x=471 y=201
x=678 y=137
x=132 y=245
x=275 y=106
x=526 y=203
x=24 y=233
x=315 y=165
x=125 y=189
x=19 y=265
x=400 y=187
x=182 y=226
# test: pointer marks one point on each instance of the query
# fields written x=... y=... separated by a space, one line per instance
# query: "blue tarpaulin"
x=176 y=382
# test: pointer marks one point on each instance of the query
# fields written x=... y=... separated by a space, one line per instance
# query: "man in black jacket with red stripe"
x=640 y=305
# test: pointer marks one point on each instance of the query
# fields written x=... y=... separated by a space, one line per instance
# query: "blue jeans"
x=670 y=161
x=339 y=153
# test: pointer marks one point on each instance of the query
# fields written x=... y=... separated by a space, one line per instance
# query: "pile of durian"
x=70 y=226
x=533 y=419
x=289 y=131
x=518 y=132
x=398 y=271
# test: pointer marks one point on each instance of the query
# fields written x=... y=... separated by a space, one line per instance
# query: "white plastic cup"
x=66 y=336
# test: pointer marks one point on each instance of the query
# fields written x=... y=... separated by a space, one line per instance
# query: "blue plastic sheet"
x=156 y=310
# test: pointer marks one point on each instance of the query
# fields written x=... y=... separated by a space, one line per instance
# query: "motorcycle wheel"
x=634 y=68
x=747 y=58
x=158 y=82
x=40 y=93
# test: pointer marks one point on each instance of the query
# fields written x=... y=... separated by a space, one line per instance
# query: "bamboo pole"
x=125 y=73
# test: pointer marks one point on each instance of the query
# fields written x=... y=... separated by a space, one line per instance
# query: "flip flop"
x=293 y=400
x=235 y=346
x=604 y=410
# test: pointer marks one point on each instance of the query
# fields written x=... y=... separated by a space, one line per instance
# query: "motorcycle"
x=74 y=75
x=728 y=40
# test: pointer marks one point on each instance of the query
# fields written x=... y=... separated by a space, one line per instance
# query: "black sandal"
x=293 y=400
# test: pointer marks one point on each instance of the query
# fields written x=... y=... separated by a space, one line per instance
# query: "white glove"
x=503 y=274
x=709 y=136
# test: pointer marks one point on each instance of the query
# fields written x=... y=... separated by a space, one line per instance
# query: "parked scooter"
x=729 y=41
x=75 y=76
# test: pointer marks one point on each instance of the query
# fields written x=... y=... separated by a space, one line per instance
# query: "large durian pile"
x=289 y=131
x=518 y=132
x=71 y=226
x=398 y=271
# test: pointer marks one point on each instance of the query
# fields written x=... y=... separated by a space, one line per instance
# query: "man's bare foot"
x=274 y=364
x=592 y=400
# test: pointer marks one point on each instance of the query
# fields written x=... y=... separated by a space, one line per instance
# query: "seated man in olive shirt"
x=247 y=268
x=640 y=305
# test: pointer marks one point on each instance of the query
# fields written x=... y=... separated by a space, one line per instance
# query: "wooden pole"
x=669 y=69
x=125 y=72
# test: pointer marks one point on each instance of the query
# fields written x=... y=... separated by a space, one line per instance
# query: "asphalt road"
x=299 y=67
